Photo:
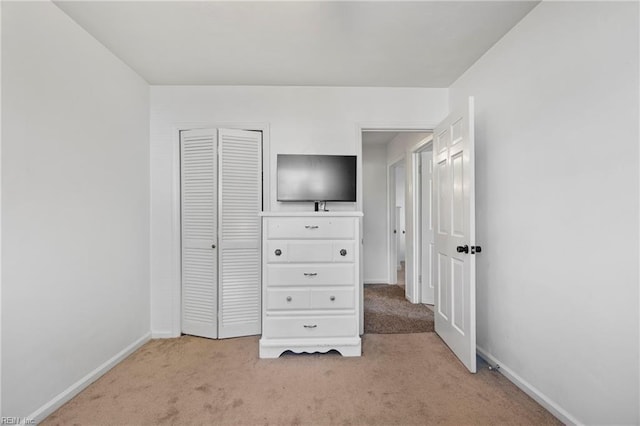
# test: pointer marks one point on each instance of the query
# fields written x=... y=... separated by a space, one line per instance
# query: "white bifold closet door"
x=221 y=200
x=240 y=202
x=199 y=183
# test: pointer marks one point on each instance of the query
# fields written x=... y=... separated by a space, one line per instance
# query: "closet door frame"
x=176 y=253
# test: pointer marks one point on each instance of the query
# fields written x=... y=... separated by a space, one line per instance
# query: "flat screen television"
x=316 y=177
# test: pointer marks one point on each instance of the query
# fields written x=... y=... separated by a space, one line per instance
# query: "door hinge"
x=419 y=279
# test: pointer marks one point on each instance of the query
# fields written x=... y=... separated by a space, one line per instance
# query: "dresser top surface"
x=311 y=214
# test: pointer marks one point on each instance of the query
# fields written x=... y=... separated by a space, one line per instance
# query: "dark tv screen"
x=316 y=177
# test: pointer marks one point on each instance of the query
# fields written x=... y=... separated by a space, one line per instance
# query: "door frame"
x=423 y=145
x=175 y=278
x=392 y=220
x=391 y=127
x=385 y=127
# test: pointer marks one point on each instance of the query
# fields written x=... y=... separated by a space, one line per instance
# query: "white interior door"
x=240 y=200
x=199 y=182
x=426 y=220
x=393 y=226
x=399 y=239
x=455 y=268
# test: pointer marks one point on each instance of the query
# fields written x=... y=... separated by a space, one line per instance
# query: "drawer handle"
x=278 y=252
x=310 y=274
x=332 y=298
x=310 y=326
x=311 y=226
x=289 y=299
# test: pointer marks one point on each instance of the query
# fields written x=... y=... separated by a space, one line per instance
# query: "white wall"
x=374 y=175
x=75 y=205
x=0 y=209
x=557 y=206
x=300 y=120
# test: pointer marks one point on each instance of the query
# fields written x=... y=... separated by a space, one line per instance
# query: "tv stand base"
x=320 y=206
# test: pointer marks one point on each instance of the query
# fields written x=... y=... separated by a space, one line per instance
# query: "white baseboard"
x=376 y=281
x=530 y=390
x=163 y=335
x=65 y=396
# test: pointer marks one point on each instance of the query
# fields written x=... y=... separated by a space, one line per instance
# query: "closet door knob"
x=343 y=252
x=288 y=298
x=332 y=298
x=213 y=246
x=278 y=252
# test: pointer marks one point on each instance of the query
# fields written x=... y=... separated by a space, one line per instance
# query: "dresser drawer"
x=282 y=251
x=310 y=274
x=332 y=299
x=310 y=228
x=301 y=327
x=290 y=298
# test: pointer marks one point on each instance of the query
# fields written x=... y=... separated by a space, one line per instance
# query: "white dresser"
x=310 y=284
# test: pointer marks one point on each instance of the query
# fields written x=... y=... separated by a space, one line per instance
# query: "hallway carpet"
x=401 y=379
x=387 y=311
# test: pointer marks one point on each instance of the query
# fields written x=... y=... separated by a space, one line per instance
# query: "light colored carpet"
x=401 y=379
x=386 y=310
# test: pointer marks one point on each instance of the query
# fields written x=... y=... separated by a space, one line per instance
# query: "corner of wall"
x=65 y=396
x=560 y=413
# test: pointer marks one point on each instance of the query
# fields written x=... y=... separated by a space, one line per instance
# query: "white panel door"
x=199 y=232
x=240 y=200
x=455 y=267
x=427 y=238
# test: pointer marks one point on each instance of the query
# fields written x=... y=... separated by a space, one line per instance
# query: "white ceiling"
x=310 y=43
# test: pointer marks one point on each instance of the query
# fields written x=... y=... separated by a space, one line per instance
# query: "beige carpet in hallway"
x=387 y=311
x=401 y=379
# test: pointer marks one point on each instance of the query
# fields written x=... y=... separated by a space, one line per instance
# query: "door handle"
x=462 y=249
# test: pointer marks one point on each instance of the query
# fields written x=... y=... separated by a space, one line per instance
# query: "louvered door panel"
x=199 y=232
x=240 y=200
